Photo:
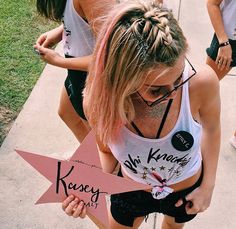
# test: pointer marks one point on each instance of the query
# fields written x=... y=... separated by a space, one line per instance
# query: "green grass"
x=20 y=67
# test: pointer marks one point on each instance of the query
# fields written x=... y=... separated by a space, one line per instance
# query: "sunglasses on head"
x=163 y=90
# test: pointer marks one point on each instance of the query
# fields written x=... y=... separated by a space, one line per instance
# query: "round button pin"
x=182 y=140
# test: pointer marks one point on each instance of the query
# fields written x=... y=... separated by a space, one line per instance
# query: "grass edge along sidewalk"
x=20 y=25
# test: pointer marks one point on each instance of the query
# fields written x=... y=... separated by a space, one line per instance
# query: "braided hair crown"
x=157 y=32
x=160 y=19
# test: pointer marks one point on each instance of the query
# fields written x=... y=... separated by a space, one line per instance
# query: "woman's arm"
x=210 y=120
x=108 y=161
x=210 y=142
x=52 y=57
x=213 y=7
x=224 y=56
x=78 y=63
x=50 y=38
x=44 y=44
x=47 y=40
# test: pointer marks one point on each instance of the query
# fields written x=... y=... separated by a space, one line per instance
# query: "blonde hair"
x=136 y=37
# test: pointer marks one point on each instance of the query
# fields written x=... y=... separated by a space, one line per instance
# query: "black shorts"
x=125 y=207
x=74 y=85
x=212 y=51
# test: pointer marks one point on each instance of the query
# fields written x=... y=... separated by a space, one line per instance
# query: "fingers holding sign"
x=74 y=207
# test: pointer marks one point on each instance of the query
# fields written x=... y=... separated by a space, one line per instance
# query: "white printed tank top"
x=164 y=161
x=78 y=37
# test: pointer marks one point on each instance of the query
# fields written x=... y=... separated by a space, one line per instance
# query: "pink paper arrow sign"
x=82 y=176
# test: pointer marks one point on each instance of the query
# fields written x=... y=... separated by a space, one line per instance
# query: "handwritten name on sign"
x=64 y=182
x=82 y=176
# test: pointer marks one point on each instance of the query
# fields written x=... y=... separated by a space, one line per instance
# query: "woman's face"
x=160 y=83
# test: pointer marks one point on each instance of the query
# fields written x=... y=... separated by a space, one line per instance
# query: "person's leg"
x=169 y=223
x=220 y=73
x=96 y=222
x=115 y=225
x=77 y=125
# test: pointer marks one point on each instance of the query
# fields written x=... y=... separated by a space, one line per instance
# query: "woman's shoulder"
x=78 y=8
x=92 y=10
x=205 y=78
x=204 y=86
x=94 y=7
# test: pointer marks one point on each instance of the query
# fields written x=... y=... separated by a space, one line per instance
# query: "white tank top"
x=165 y=161
x=228 y=9
x=78 y=38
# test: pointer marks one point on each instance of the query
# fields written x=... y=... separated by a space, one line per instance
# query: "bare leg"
x=97 y=222
x=169 y=223
x=77 y=125
x=219 y=73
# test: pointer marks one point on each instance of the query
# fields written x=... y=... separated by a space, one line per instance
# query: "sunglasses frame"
x=170 y=92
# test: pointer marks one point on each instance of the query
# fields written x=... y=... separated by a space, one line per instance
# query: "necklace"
x=146 y=111
x=156 y=111
x=167 y=109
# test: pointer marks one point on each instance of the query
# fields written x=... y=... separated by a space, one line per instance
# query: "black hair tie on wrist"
x=224 y=44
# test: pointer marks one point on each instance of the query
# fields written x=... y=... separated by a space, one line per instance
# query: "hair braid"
x=150 y=26
x=161 y=29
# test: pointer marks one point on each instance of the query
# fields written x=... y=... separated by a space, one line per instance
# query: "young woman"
x=222 y=51
x=154 y=115
x=78 y=37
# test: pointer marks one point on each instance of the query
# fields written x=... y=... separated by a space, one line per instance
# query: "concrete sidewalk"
x=38 y=129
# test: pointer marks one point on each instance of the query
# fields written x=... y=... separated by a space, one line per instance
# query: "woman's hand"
x=224 y=57
x=49 y=55
x=50 y=38
x=197 y=201
x=74 y=207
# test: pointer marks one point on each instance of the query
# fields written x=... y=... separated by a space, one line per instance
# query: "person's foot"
x=233 y=141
